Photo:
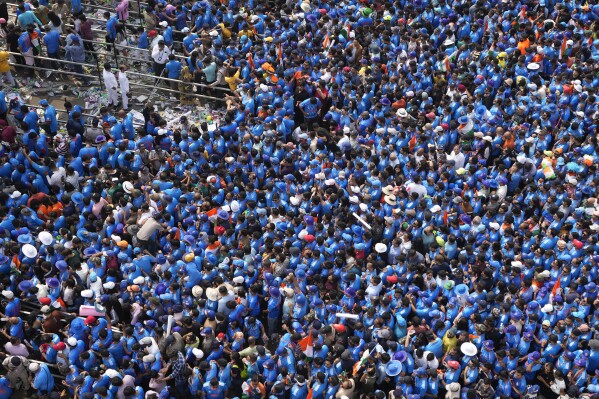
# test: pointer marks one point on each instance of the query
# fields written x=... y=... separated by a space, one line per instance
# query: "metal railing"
x=131 y=83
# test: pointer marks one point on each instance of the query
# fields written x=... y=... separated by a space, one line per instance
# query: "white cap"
x=363 y=207
x=238 y=280
x=45 y=309
x=87 y=293
x=45 y=237
x=109 y=285
x=8 y=294
x=128 y=187
x=435 y=209
x=139 y=280
x=72 y=341
x=34 y=367
x=15 y=194
x=164 y=24
x=198 y=353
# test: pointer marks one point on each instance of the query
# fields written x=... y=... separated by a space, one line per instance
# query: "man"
x=52 y=42
x=50 y=124
x=310 y=108
x=160 y=54
x=86 y=33
x=124 y=85
x=26 y=49
x=27 y=18
x=111 y=85
x=5 y=68
x=177 y=376
x=43 y=380
x=77 y=52
x=111 y=23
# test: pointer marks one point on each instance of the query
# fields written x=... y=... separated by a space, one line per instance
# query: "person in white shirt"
x=160 y=55
x=111 y=85
x=124 y=85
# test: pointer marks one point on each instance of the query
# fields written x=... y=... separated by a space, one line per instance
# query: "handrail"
x=132 y=83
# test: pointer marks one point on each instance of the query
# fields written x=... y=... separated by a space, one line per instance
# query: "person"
x=5 y=68
x=76 y=51
x=51 y=40
x=111 y=31
x=111 y=84
x=173 y=70
x=160 y=56
x=26 y=49
x=50 y=124
x=87 y=35
x=124 y=86
x=27 y=17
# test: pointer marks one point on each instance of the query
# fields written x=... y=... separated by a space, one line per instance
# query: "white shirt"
x=123 y=81
x=57 y=176
x=109 y=79
x=160 y=56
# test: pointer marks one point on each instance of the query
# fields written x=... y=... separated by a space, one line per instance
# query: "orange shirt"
x=522 y=46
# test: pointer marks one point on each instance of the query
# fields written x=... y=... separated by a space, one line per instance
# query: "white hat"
x=185 y=30
x=448 y=42
x=494 y=225
x=212 y=294
x=363 y=207
x=45 y=309
x=238 y=280
x=288 y=291
x=388 y=190
x=128 y=187
x=109 y=285
x=34 y=367
x=115 y=238
x=547 y=308
x=468 y=349
x=8 y=294
x=29 y=251
x=263 y=87
x=329 y=182
x=435 y=209
x=516 y=263
x=161 y=132
x=197 y=291
x=479 y=135
x=234 y=206
x=213 y=33
x=354 y=199
x=488 y=138
x=319 y=176
x=15 y=194
x=402 y=113
x=533 y=66
x=578 y=88
x=45 y=237
x=302 y=234
x=198 y=353
x=294 y=200
x=149 y=358
x=380 y=248
x=139 y=280
x=87 y=293
x=72 y=341
x=164 y=24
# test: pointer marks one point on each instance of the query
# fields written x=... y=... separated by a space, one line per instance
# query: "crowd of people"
x=399 y=200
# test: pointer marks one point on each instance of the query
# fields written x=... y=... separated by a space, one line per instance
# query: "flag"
x=523 y=12
x=310 y=393
x=557 y=285
x=361 y=362
x=306 y=345
x=345 y=31
x=212 y=214
x=412 y=143
x=280 y=52
x=445 y=217
x=251 y=61
x=562 y=50
x=447 y=64
x=326 y=42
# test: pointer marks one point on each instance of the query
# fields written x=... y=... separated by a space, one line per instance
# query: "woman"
x=55 y=22
x=186 y=87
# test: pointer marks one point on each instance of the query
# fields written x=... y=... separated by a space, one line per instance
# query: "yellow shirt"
x=232 y=80
x=4 y=65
